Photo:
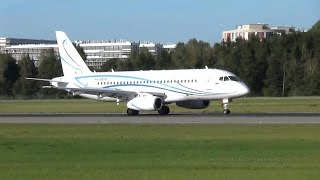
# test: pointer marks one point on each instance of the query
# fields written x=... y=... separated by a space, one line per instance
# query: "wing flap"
x=110 y=92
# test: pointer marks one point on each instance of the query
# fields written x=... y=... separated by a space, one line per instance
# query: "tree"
x=296 y=72
x=179 y=58
x=114 y=64
x=163 y=60
x=143 y=60
x=26 y=69
x=49 y=68
x=194 y=54
x=80 y=51
x=251 y=69
x=9 y=73
x=311 y=56
x=274 y=77
x=315 y=28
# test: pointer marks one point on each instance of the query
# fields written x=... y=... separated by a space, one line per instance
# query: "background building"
x=19 y=47
x=97 y=52
x=260 y=30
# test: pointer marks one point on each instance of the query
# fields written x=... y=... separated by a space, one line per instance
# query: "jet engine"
x=194 y=104
x=145 y=101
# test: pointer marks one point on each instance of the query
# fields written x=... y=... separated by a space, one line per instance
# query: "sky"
x=164 y=21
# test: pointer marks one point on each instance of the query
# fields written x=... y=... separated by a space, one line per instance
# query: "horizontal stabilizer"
x=48 y=80
x=47 y=87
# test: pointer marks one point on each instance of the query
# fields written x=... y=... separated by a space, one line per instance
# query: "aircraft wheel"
x=132 y=112
x=226 y=111
x=164 y=110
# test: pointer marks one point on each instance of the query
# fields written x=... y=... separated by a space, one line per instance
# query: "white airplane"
x=146 y=90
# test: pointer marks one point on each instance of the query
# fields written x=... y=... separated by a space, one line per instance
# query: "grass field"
x=96 y=151
x=295 y=104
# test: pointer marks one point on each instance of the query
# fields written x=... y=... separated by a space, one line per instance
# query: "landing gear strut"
x=164 y=110
x=132 y=112
x=225 y=105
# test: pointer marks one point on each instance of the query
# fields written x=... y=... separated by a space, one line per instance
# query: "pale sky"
x=148 y=20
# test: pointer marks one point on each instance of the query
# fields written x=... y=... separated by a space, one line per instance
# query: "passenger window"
x=220 y=78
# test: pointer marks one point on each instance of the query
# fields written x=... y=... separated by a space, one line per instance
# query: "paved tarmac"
x=243 y=118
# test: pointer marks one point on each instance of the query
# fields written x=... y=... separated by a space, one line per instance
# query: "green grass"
x=39 y=151
x=295 y=104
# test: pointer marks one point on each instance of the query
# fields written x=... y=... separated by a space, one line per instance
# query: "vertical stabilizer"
x=71 y=61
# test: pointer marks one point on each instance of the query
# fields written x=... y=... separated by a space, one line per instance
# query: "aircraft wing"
x=109 y=92
x=99 y=92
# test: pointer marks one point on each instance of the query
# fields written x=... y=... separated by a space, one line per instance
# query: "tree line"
x=287 y=65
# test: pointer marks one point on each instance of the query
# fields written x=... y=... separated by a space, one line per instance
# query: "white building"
x=260 y=30
x=97 y=52
x=282 y=29
x=19 y=47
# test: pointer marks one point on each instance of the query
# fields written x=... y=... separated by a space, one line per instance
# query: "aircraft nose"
x=243 y=89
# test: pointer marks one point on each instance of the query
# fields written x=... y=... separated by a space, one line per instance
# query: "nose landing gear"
x=225 y=105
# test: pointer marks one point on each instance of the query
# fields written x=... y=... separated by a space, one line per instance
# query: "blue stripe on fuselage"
x=178 y=90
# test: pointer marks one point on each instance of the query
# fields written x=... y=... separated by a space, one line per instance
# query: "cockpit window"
x=233 y=78
x=229 y=78
x=226 y=78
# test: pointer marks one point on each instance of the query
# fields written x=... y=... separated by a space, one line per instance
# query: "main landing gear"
x=132 y=112
x=225 y=105
x=164 y=110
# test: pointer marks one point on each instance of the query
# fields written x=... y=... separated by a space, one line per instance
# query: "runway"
x=83 y=118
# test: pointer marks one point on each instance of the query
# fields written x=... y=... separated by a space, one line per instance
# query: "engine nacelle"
x=145 y=101
x=194 y=104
